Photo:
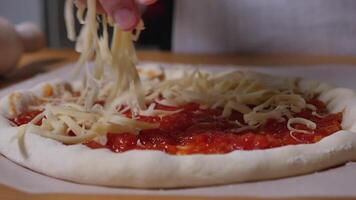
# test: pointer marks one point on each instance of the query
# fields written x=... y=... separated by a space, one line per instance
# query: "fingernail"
x=126 y=19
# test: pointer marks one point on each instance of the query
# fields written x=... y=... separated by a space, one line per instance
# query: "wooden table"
x=49 y=59
x=62 y=56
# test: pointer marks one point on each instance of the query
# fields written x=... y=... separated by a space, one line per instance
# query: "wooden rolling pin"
x=16 y=40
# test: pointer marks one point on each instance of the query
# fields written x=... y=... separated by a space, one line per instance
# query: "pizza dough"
x=155 y=169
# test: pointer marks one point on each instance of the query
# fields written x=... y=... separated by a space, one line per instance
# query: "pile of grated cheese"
x=258 y=97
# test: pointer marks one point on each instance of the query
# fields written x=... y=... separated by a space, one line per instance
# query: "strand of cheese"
x=69 y=19
x=309 y=124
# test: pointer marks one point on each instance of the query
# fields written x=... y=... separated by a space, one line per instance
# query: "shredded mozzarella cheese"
x=309 y=124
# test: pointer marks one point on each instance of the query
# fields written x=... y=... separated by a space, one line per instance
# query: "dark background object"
x=158 y=20
x=157 y=17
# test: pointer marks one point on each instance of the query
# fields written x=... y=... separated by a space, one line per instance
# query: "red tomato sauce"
x=195 y=130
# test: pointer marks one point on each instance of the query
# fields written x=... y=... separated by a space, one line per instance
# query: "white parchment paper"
x=338 y=181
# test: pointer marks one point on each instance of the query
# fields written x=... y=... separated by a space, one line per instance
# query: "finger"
x=146 y=2
x=125 y=13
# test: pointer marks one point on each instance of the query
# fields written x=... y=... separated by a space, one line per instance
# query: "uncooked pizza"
x=156 y=127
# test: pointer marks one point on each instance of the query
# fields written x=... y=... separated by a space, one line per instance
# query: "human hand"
x=125 y=13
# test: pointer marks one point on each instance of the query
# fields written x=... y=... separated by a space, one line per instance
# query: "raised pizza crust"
x=155 y=169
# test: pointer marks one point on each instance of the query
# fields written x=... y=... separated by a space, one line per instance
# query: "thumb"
x=125 y=13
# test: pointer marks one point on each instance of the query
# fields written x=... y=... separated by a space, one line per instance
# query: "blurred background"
x=220 y=26
x=49 y=15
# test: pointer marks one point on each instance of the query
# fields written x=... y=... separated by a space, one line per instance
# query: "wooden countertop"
x=48 y=59
x=58 y=57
